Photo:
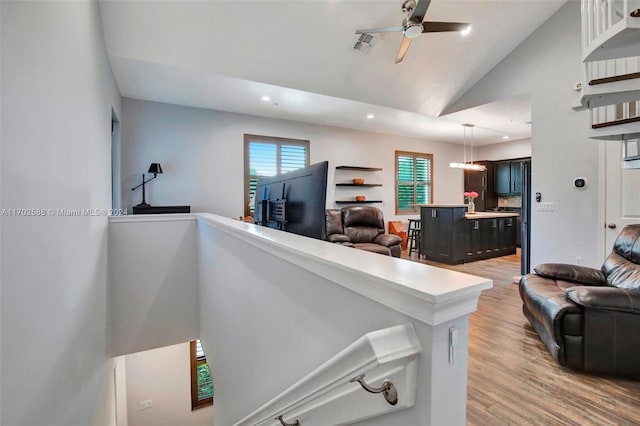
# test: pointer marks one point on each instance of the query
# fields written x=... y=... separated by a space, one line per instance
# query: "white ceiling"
x=226 y=55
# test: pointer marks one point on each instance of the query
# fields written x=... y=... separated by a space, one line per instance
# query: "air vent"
x=364 y=43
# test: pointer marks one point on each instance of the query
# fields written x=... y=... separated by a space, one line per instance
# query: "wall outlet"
x=579 y=260
x=545 y=207
x=146 y=404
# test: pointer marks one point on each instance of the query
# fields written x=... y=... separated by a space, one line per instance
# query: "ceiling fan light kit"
x=412 y=29
x=413 y=26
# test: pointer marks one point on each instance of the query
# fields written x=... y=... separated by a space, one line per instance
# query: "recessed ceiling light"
x=266 y=98
x=371 y=116
x=466 y=31
x=505 y=137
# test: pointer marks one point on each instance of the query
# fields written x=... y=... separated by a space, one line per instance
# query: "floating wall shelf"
x=355 y=185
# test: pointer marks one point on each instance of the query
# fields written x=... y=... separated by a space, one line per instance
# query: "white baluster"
x=609 y=113
x=589 y=20
x=611 y=68
x=597 y=14
x=584 y=27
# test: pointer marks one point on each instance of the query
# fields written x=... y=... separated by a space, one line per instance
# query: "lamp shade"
x=155 y=168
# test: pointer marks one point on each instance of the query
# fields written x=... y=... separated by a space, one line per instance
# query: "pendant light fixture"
x=464 y=165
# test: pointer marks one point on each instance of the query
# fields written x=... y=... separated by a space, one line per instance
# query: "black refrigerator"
x=525 y=230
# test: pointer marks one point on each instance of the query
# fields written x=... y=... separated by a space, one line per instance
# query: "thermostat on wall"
x=580 y=182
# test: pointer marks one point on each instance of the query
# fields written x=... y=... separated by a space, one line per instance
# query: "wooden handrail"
x=616 y=122
x=614 y=78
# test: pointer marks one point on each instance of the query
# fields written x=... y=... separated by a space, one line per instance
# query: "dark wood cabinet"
x=503 y=177
x=516 y=177
x=508 y=234
x=443 y=234
x=482 y=183
x=508 y=177
x=490 y=237
x=448 y=236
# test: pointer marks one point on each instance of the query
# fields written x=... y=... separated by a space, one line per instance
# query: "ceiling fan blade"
x=420 y=10
x=406 y=42
x=438 y=27
x=381 y=30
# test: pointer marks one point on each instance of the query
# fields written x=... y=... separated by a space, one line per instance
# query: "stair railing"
x=611 y=115
x=380 y=362
x=601 y=72
x=600 y=15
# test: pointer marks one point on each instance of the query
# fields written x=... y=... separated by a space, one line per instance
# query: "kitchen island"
x=451 y=235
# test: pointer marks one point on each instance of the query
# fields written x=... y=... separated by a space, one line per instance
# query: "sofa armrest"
x=338 y=238
x=608 y=298
x=387 y=240
x=575 y=273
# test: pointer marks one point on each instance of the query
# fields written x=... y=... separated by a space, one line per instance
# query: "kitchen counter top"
x=490 y=215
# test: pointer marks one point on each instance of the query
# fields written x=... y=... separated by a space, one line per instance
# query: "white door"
x=622 y=196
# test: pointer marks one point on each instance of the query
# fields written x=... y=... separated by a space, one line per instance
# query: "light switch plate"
x=545 y=207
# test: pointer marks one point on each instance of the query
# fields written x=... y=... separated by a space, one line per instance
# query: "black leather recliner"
x=589 y=319
x=361 y=227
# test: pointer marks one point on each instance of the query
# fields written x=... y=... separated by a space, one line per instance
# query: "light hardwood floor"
x=513 y=380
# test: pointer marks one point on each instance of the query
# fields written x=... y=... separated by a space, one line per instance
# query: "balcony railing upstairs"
x=610 y=29
x=612 y=81
x=616 y=122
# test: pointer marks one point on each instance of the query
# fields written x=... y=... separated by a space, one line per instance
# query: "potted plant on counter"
x=471 y=204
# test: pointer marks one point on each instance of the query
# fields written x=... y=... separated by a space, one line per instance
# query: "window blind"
x=270 y=157
x=413 y=181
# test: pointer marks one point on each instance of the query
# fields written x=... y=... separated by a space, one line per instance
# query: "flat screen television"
x=294 y=201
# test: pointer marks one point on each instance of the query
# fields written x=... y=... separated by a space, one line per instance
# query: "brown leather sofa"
x=589 y=319
x=361 y=227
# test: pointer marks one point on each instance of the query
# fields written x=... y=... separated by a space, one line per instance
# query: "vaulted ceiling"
x=226 y=55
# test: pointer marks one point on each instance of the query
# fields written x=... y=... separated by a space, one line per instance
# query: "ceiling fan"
x=413 y=26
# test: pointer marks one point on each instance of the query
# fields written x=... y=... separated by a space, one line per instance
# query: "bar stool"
x=413 y=235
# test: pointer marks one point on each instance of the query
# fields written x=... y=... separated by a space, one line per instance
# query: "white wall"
x=504 y=150
x=163 y=376
x=153 y=282
x=546 y=66
x=57 y=95
x=202 y=155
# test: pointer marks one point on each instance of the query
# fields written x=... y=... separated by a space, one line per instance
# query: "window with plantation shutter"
x=268 y=156
x=201 y=381
x=414 y=181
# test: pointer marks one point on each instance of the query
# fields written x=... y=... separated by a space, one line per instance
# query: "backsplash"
x=510 y=201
